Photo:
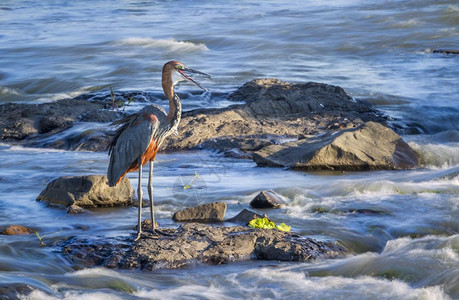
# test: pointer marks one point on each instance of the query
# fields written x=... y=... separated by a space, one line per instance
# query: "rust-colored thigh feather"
x=149 y=154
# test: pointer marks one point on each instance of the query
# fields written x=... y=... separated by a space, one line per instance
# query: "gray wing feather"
x=131 y=141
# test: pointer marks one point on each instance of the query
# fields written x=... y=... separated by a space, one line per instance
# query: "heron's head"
x=180 y=72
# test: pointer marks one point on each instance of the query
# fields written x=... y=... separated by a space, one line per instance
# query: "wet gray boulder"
x=211 y=212
x=245 y=216
x=87 y=191
x=50 y=123
x=194 y=243
x=33 y=124
x=18 y=121
x=267 y=199
x=367 y=147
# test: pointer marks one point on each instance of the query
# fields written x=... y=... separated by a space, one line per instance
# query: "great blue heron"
x=140 y=135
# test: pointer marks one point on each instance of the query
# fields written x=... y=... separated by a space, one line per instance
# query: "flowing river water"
x=402 y=227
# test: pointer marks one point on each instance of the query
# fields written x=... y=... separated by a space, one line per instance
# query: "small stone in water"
x=16 y=230
x=266 y=199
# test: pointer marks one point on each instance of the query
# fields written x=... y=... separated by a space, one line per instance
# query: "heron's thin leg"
x=150 y=194
x=139 y=193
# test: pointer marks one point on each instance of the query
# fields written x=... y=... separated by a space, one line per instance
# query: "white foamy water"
x=269 y=283
x=400 y=226
x=172 y=45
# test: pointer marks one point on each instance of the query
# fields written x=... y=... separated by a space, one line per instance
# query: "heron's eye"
x=179 y=67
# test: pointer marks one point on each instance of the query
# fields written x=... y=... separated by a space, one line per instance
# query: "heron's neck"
x=175 y=111
x=175 y=107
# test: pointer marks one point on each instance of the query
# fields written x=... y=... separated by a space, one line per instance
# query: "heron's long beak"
x=189 y=78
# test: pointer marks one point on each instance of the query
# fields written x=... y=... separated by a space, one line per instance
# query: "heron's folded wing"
x=131 y=143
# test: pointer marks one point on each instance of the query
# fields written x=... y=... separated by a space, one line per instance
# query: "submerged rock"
x=87 y=191
x=192 y=243
x=75 y=210
x=446 y=51
x=211 y=212
x=368 y=147
x=16 y=230
x=267 y=199
x=12 y=289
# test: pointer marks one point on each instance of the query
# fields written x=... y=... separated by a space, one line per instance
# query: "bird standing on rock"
x=140 y=135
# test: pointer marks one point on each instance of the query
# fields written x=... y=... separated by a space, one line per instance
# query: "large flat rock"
x=367 y=147
x=192 y=243
x=273 y=110
x=87 y=191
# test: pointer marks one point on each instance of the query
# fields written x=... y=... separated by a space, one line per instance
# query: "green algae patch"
x=264 y=223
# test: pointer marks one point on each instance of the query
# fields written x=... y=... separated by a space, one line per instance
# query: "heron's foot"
x=139 y=234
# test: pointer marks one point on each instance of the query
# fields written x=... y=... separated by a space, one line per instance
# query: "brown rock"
x=267 y=199
x=87 y=191
x=367 y=147
x=211 y=212
x=16 y=230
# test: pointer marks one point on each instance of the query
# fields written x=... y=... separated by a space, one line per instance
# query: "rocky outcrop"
x=274 y=110
x=267 y=199
x=16 y=230
x=211 y=212
x=271 y=97
x=192 y=243
x=87 y=191
x=20 y=121
x=367 y=147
